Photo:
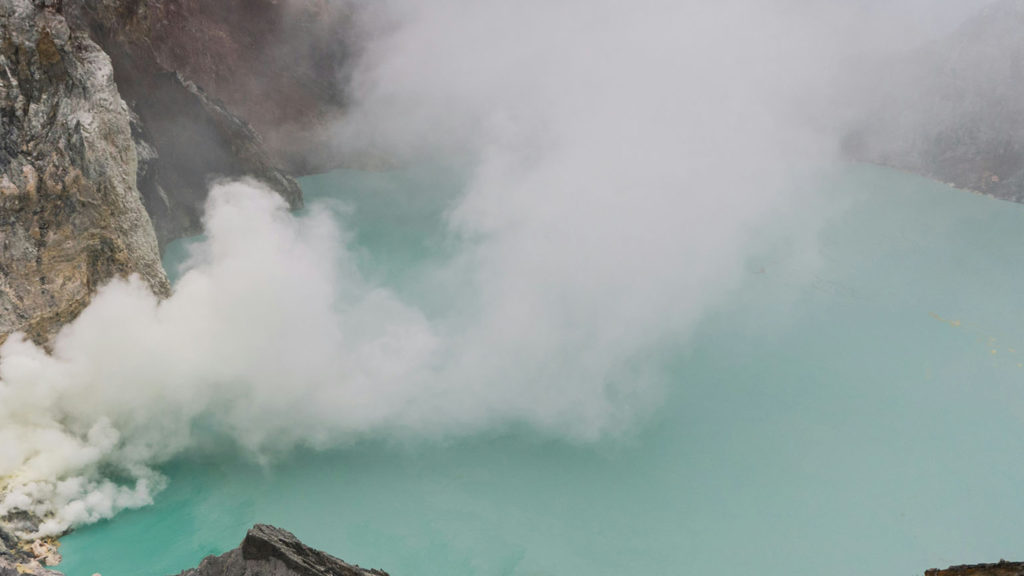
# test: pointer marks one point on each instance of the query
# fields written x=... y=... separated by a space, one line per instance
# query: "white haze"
x=626 y=157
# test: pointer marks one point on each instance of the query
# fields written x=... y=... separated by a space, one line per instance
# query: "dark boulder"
x=270 y=551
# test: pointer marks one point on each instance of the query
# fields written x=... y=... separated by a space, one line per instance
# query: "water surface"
x=861 y=414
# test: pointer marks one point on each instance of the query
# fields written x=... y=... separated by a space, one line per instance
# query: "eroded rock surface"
x=270 y=551
x=110 y=139
x=71 y=216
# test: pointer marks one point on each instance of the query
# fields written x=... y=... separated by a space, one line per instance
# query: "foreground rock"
x=270 y=551
x=30 y=568
x=18 y=557
x=1003 y=568
x=71 y=216
x=952 y=110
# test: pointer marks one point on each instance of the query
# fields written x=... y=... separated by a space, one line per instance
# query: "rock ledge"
x=1002 y=568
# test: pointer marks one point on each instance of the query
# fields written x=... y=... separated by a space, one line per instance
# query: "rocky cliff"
x=185 y=136
x=952 y=110
x=109 y=141
x=280 y=64
x=71 y=216
x=118 y=114
x=270 y=551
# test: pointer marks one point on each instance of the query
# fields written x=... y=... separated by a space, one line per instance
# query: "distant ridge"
x=1002 y=568
x=952 y=110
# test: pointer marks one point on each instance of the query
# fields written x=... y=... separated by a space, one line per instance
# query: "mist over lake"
x=813 y=421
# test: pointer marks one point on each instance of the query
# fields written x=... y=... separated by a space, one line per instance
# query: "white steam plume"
x=271 y=330
x=623 y=153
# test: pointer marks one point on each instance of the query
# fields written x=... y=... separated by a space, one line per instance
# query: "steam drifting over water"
x=623 y=156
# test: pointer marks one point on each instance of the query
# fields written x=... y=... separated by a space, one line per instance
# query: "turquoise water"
x=863 y=415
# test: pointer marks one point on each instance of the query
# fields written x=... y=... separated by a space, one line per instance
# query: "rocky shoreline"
x=32 y=557
x=115 y=119
x=265 y=551
x=270 y=551
x=109 y=141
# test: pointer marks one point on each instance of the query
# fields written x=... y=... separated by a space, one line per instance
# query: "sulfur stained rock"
x=19 y=558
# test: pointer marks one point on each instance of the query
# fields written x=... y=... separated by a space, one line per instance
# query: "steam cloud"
x=624 y=156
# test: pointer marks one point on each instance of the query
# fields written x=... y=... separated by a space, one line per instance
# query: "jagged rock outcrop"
x=952 y=110
x=18 y=558
x=186 y=138
x=1002 y=568
x=71 y=216
x=109 y=146
x=270 y=551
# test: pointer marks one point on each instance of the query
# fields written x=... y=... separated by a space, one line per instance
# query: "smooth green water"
x=863 y=416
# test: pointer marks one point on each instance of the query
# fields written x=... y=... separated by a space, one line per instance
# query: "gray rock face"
x=953 y=110
x=270 y=551
x=186 y=138
x=71 y=216
x=92 y=186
